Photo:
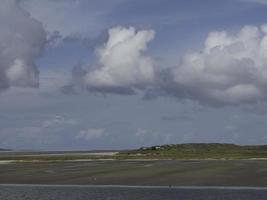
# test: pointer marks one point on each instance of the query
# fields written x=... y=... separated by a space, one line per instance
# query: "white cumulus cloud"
x=121 y=60
x=121 y=64
x=230 y=69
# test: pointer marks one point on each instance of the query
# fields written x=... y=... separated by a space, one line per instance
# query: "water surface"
x=58 y=192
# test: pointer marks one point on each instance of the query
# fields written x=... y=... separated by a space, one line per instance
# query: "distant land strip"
x=192 y=151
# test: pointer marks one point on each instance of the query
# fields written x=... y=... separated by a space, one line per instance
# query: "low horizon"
x=141 y=147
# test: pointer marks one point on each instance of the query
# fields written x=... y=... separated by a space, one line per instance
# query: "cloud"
x=264 y=2
x=36 y=130
x=91 y=133
x=71 y=19
x=122 y=65
x=21 y=42
x=58 y=121
x=177 y=117
x=229 y=70
x=121 y=60
x=56 y=14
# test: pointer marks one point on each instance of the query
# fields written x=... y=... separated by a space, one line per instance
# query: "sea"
x=76 y=192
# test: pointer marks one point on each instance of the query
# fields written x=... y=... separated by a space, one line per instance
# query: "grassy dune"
x=199 y=151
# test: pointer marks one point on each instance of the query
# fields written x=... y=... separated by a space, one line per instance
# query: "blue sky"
x=160 y=54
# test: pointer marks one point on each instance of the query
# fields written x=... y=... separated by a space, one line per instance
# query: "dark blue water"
x=39 y=192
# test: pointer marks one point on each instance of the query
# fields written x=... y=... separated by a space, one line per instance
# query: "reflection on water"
x=35 y=192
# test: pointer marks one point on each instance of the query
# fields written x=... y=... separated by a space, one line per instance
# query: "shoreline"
x=138 y=186
x=3 y=162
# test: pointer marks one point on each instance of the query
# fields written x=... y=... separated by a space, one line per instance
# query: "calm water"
x=35 y=192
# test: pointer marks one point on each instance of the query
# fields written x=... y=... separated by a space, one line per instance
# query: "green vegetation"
x=165 y=152
x=199 y=151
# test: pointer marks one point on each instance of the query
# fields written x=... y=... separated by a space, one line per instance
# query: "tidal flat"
x=241 y=173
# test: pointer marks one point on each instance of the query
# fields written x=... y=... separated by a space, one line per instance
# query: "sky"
x=122 y=74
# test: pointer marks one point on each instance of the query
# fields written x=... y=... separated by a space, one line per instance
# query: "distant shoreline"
x=137 y=186
x=2 y=162
x=191 y=151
